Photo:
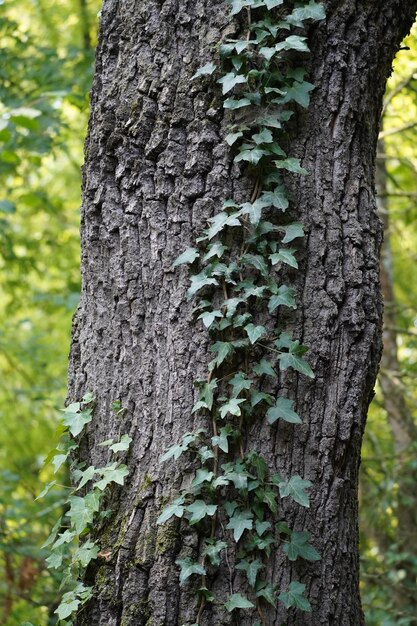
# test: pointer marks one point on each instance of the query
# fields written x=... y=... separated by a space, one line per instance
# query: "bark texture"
x=156 y=169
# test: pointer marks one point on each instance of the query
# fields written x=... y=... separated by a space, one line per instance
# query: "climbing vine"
x=240 y=267
x=71 y=543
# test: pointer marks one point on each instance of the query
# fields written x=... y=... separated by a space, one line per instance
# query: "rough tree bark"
x=156 y=169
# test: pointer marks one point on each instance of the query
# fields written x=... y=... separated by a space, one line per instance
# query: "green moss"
x=166 y=539
x=138 y=609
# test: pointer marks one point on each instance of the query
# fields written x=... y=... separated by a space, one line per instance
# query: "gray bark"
x=156 y=169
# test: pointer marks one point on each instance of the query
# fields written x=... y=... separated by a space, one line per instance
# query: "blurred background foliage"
x=46 y=64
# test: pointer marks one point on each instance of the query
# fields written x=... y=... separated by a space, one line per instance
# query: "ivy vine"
x=236 y=270
x=71 y=543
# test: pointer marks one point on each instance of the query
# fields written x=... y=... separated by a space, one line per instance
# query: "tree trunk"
x=156 y=168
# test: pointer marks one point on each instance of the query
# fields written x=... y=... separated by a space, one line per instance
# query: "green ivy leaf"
x=205 y=70
x=85 y=553
x=241 y=521
x=229 y=80
x=257 y=262
x=76 y=420
x=176 y=508
x=215 y=249
x=67 y=608
x=220 y=221
x=300 y=93
x=283 y=409
x=199 y=509
x=251 y=568
x=188 y=568
x=213 y=549
x=123 y=444
x=198 y=282
x=277 y=198
x=265 y=136
x=294 y=596
x=264 y=367
x=255 y=332
x=189 y=256
x=267 y=592
x=202 y=475
x=224 y=349
x=208 y=317
x=285 y=255
x=251 y=155
x=232 y=407
x=291 y=165
x=293 y=231
x=287 y=360
x=283 y=297
x=299 y=546
x=221 y=440
x=81 y=511
x=260 y=396
x=113 y=473
x=296 y=489
x=237 y=601
x=232 y=103
x=231 y=138
x=54 y=560
x=311 y=11
x=262 y=527
x=293 y=42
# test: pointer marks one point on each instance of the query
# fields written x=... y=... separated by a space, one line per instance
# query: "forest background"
x=46 y=67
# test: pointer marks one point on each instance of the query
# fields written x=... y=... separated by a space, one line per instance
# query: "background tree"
x=156 y=169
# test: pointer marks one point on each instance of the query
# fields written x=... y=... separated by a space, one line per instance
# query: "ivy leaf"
x=294 y=596
x=176 y=508
x=240 y=382
x=208 y=317
x=254 y=210
x=291 y=165
x=277 y=198
x=262 y=527
x=299 y=546
x=188 y=568
x=123 y=444
x=202 y=475
x=267 y=592
x=232 y=103
x=231 y=138
x=46 y=490
x=265 y=136
x=264 y=367
x=221 y=440
x=271 y=4
x=86 y=475
x=113 y=473
x=260 y=396
x=238 y=5
x=213 y=549
x=268 y=497
x=220 y=221
x=54 y=560
x=300 y=93
x=206 y=396
x=215 y=249
x=241 y=521
x=296 y=488
x=311 y=11
x=237 y=601
x=189 y=256
x=81 y=512
x=257 y=262
x=198 y=282
x=251 y=568
x=293 y=42
x=85 y=553
x=76 y=420
x=285 y=255
x=283 y=297
x=199 y=509
x=252 y=155
x=293 y=231
x=287 y=360
x=283 y=409
x=232 y=407
x=67 y=608
x=229 y=80
x=255 y=332
x=205 y=70
x=223 y=349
